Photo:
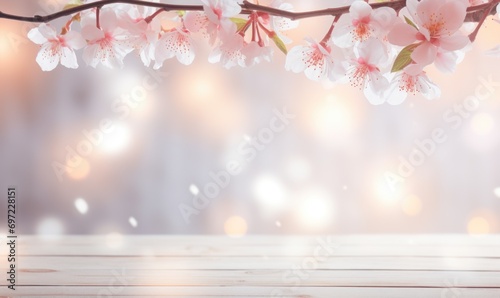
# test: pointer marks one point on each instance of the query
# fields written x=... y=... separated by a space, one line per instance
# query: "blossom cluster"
x=382 y=51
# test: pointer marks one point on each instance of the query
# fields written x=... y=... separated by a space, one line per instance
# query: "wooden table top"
x=384 y=266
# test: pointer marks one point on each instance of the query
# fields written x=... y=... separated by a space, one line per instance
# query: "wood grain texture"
x=257 y=266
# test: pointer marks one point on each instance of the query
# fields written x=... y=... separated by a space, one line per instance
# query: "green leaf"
x=240 y=23
x=181 y=13
x=404 y=58
x=409 y=22
x=73 y=4
x=279 y=43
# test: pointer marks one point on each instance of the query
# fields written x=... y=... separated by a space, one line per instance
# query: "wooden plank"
x=256 y=266
x=262 y=246
x=327 y=292
x=100 y=249
x=269 y=240
x=276 y=263
x=332 y=278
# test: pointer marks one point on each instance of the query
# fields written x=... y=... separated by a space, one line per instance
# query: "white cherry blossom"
x=56 y=48
x=107 y=45
x=175 y=43
x=316 y=59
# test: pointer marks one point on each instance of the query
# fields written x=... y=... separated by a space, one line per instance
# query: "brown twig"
x=475 y=13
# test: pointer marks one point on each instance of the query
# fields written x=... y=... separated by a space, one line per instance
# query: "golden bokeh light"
x=235 y=226
x=412 y=205
x=478 y=225
x=79 y=171
x=385 y=193
x=332 y=116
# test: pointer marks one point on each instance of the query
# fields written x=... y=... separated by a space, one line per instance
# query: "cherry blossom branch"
x=489 y=7
x=475 y=13
x=98 y=17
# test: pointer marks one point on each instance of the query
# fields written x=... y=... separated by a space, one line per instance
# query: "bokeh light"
x=116 y=140
x=315 y=208
x=482 y=123
x=194 y=189
x=332 y=117
x=133 y=221
x=496 y=191
x=478 y=225
x=412 y=205
x=81 y=205
x=235 y=226
x=298 y=169
x=270 y=193
x=385 y=193
x=79 y=171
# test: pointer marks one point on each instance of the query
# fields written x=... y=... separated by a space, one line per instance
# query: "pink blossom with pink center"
x=229 y=51
x=56 y=48
x=279 y=24
x=255 y=53
x=438 y=23
x=411 y=80
x=143 y=34
x=361 y=23
x=364 y=71
x=318 y=60
x=219 y=12
x=108 y=45
x=175 y=43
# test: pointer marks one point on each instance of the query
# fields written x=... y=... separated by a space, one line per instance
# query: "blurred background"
x=174 y=139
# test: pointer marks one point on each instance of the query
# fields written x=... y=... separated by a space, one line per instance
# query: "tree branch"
x=475 y=13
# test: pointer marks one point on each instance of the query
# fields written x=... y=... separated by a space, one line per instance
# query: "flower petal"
x=402 y=35
x=92 y=33
x=424 y=54
x=48 y=57
x=74 y=40
x=35 y=36
x=426 y=10
x=47 y=31
x=68 y=58
x=453 y=14
x=296 y=57
x=427 y=88
x=454 y=42
x=360 y=9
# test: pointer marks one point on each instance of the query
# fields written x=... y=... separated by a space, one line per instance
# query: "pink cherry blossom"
x=446 y=61
x=56 y=48
x=362 y=23
x=411 y=80
x=475 y=2
x=175 y=43
x=214 y=18
x=255 y=53
x=364 y=71
x=279 y=25
x=317 y=60
x=438 y=23
x=108 y=45
x=143 y=33
x=228 y=52
x=218 y=13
